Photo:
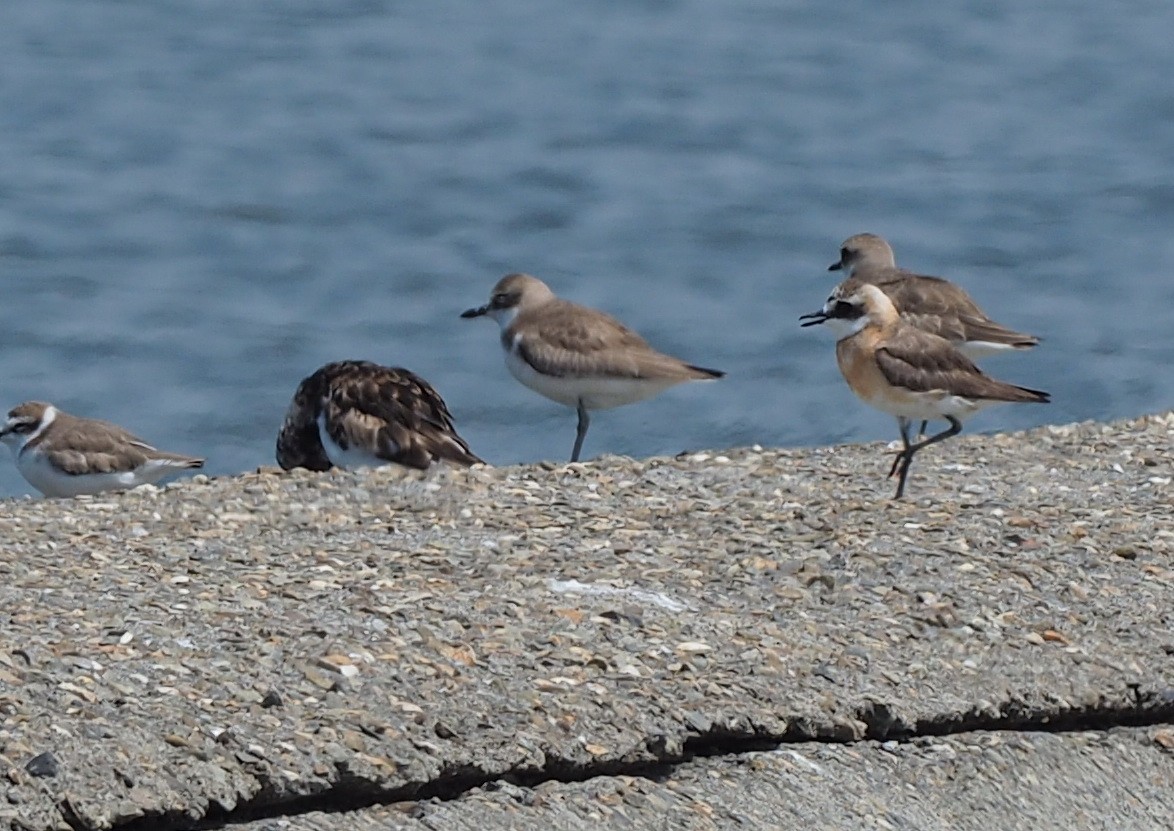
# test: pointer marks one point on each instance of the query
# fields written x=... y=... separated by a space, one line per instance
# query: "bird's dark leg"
x=903 y=424
x=584 y=423
x=903 y=468
x=921 y=430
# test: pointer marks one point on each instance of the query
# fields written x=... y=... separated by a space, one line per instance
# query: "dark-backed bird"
x=353 y=414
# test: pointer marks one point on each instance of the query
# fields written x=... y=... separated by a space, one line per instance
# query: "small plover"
x=905 y=371
x=63 y=455
x=353 y=414
x=576 y=355
x=930 y=303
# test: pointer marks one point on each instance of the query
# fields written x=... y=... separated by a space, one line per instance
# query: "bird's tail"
x=1030 y=396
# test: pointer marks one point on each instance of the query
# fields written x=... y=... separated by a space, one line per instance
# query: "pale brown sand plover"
x=576 y=355
x=930 y=303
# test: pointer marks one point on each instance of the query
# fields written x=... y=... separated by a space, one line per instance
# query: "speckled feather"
x=391 y=413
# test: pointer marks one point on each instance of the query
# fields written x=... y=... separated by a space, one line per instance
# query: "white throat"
x=847 y=328
x=504 y=317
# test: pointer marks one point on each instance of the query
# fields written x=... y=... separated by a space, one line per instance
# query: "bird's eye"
x=842 y=309
x=498 y=301
x=845 y=254
x=23 y=427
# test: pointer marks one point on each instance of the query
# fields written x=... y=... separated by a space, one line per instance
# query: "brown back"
x=563 y=338
x=924 y=362
x=938 y=306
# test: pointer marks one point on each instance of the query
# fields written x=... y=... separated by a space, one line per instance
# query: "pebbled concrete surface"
x=275 y=645
x=1121 y=779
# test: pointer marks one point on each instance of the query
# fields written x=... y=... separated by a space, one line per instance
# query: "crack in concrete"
x=352 y=793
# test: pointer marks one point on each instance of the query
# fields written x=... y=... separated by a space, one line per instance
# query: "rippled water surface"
x=200 y=202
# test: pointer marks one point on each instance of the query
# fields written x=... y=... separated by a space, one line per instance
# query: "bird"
x=575 y=355
x=905 y=371
x=63 y=455
x=932 y=304
x=353 y=414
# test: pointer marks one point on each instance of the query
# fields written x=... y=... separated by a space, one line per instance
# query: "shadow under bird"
x=575 y=355
x=907 y=372
x=353 y=414
x=64 y=455
x=930 y=303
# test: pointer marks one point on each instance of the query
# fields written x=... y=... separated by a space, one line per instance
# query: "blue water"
x=202 y=201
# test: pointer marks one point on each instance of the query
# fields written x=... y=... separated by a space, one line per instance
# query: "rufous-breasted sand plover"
x=905 y=371
x=353 y=414
x=64 y=455
x=576 y=355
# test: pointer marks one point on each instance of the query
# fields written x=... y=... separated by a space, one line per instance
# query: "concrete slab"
x=272 y=644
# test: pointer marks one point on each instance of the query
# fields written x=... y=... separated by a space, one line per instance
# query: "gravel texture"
x=272 y=644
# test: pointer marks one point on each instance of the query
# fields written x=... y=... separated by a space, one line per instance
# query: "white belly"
x=597 y=392
x=52 y=482
x=926 y=406
x=352 y=458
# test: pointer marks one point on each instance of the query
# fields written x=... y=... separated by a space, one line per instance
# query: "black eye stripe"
x=842 y=309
